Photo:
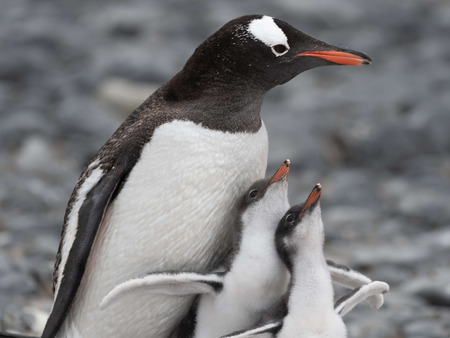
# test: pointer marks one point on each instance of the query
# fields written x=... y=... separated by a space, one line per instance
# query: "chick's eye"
x=290 y=218
x=253 y=193
x=280 y=49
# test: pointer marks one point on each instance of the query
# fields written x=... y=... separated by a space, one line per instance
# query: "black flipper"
x=90 y=217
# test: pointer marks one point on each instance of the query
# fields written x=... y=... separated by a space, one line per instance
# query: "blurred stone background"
x=377 y=137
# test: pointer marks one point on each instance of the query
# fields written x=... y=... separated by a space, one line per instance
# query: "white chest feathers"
x=175 y=212
x=183 y=189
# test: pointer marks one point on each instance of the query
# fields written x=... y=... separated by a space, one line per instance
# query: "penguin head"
x=266 y=200
x=257 y=52
x=301 y=229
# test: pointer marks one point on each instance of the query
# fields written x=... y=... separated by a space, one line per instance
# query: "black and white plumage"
x=182 y=146
x=256 y=278
x=310 y=311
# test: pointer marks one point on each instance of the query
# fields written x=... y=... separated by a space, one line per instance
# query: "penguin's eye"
x=253 y=193
x=279 y=49
x=290 y=218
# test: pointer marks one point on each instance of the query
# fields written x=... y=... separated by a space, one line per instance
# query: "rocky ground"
x=376 y=137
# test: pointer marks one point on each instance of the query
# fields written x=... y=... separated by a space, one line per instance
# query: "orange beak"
x=312 y=198
x=340 y=58
x=282 y=172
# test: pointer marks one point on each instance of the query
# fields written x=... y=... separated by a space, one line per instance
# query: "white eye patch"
x=267 y=31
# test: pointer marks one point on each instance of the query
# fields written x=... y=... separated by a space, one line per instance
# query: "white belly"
x=175 y=212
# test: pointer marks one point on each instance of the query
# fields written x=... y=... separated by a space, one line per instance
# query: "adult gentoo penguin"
x=159 y=194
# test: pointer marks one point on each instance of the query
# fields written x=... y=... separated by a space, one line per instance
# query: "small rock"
x=35 y=155
x=435 y=297
x=124 y=96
